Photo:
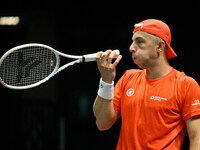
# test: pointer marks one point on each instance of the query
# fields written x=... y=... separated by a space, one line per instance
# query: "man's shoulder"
x=188 y=82
x=183 y=78
x=184 y=81
x=133 y=73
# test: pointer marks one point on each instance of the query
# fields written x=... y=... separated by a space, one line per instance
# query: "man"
x=157 y=104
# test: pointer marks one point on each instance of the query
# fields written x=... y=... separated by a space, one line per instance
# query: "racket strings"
x=27 y=66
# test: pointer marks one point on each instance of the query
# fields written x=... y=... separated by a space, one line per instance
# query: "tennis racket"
x=29 y=65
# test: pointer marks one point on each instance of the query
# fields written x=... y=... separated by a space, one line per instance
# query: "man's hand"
x=106 y=68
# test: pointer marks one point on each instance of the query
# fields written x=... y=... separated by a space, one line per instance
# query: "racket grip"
x=92 y=57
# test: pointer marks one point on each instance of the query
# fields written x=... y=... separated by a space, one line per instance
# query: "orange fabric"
x=159 y=29
x=154 y=112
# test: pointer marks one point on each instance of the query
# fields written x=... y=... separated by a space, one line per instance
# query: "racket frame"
x=79 y=59
x=41 y=81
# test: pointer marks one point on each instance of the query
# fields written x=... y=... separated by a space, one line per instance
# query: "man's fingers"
x=99 y=54
x=98 y=57
x=105 y=55
x=117 y=61
x=106 y=68
x=105 y=58
x=111 y=56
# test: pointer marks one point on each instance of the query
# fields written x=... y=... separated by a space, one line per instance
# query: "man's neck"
x=158 y=70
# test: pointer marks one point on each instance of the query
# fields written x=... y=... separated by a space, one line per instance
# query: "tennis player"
x=157 y=104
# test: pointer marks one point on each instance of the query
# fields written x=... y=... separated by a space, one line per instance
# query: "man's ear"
x=161 y=46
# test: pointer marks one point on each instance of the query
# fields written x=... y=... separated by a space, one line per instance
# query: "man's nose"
x=132 y=48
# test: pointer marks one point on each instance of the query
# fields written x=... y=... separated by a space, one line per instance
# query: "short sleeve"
x=118 y=95
x=191 y=98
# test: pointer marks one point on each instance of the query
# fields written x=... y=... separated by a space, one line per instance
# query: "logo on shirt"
x=130 y=92
x=196 y=102
x=158 y=98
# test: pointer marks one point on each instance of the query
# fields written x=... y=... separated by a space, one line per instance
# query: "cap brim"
x=170 y=52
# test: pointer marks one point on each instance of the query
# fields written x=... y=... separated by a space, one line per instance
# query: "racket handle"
x=92 y=57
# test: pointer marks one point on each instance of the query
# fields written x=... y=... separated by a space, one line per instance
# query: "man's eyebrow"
x=137 y=38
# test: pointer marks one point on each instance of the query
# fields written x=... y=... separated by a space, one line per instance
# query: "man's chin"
x=141 y=65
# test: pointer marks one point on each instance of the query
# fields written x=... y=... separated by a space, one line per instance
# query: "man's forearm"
x=195 y=144
x=104 y=113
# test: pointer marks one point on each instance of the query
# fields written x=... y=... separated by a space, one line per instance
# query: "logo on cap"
x=138 y=25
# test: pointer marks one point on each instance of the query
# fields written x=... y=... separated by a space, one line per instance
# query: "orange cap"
x=159 y=29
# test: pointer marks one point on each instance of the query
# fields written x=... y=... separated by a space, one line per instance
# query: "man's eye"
x=140 y=41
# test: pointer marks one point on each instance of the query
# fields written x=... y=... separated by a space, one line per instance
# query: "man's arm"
x=193 y=128
x=104 y=112
x=103 y=109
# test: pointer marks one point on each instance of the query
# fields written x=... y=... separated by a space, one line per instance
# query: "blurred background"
x=58 y=114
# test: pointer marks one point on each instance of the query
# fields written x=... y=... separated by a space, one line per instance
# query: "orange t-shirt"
x=154 y=112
